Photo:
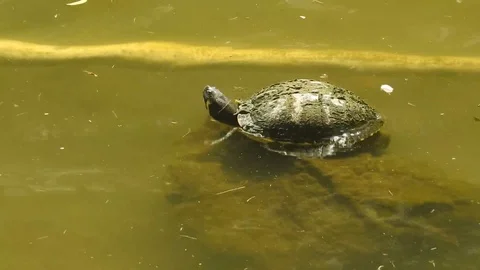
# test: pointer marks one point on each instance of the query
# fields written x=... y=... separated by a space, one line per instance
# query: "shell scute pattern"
x=307 y=111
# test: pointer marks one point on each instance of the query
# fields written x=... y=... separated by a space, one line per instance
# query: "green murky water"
x=111 y=172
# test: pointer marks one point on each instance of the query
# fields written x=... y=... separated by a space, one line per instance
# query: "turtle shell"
x=308 y=112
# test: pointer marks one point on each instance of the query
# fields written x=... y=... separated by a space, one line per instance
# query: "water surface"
x=111 y=172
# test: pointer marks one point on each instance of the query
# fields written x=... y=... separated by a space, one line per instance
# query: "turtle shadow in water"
x=249 y=158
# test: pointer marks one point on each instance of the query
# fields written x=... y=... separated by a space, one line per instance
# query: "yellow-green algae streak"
x=178 y=54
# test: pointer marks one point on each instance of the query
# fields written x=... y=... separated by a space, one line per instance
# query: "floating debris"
x=188 y=236
x=188 y=132
x=230 y=190
x=76 y=3
x=411 y=104
x=90 y=73
x=386 y=88
x=303 y=17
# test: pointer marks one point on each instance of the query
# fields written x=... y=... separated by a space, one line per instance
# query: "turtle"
x=298 y=117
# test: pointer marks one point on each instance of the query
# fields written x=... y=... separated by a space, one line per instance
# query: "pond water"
x=111 y=171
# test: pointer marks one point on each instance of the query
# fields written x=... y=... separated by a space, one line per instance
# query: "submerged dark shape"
x=301 y=117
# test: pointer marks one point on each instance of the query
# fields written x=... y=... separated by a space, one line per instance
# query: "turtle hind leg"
x=226 y=136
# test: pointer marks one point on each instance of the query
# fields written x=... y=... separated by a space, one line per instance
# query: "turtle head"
x=219 y=106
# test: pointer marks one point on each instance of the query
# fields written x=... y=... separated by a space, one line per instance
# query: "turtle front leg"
x=226 y=136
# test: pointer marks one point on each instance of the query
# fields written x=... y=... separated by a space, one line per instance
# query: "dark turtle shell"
x=308 y=112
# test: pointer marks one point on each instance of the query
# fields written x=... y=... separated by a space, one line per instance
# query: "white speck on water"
x=303 y=17
x=442 y=114
x=386 y=88
x=76 y=3
x=62 y=148
x=454 y=158
x=46 y=113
